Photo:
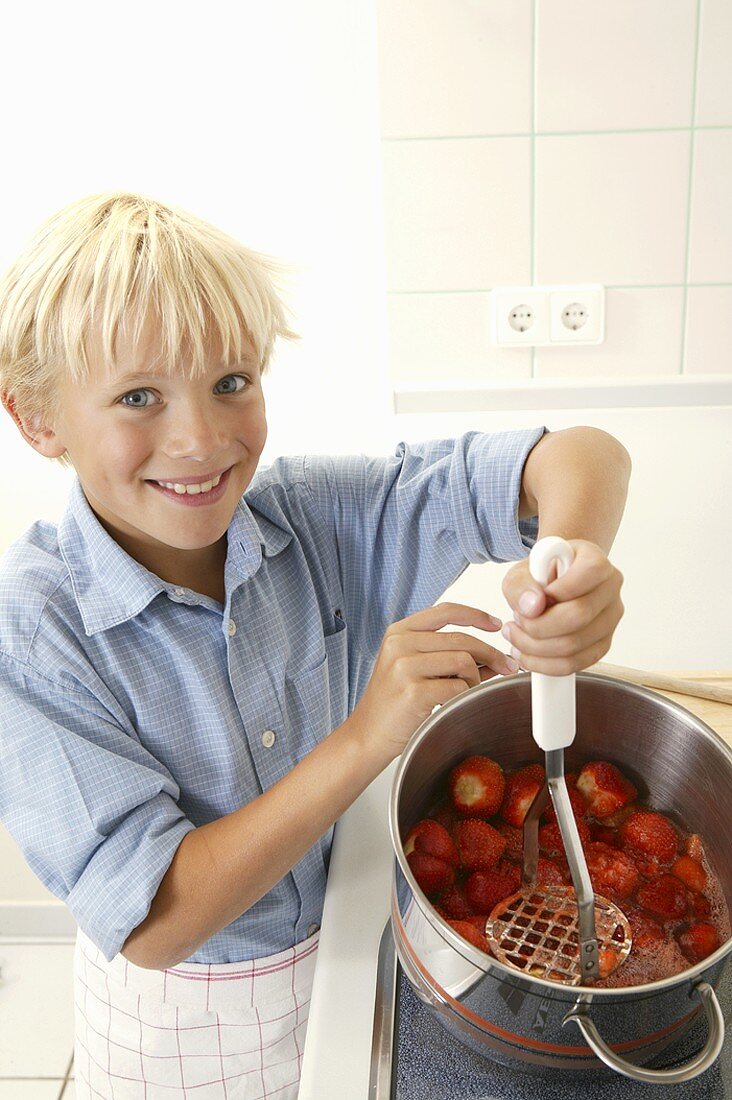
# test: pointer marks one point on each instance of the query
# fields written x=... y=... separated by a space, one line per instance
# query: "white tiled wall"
x=557 y=141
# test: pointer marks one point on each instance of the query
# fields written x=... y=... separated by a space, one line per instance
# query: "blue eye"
x=230 y=376
x=136 y=404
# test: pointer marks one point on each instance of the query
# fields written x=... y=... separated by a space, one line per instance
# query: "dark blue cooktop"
x=431 y=1065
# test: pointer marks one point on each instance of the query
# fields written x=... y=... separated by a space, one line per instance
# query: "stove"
x=414 y=1058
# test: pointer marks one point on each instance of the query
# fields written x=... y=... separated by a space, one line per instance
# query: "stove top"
x=414 y=1057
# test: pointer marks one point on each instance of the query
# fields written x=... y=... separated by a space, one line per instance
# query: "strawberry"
x=432 y=875
x=548 y=873
x=550 y=838
x=691 y=873
x=607 y=960
x=693 y=847
x=666 y=898
x=514 y=841
x=434 y=840
x=479 y=844
x=700 y=906
x=601 y=834
x=698 y=941
x=616 y=820
x=650 y=835
x=477 y=786
x=647 y=932
x=522 y=788
x=470 y=933
x=577 y=801
x=613 y=874
x=455 y=904
x=444 y=814
x=484 y=889
x=605 y=788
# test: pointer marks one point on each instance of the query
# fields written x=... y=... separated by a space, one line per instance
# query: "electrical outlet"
x=520 y=316
x=542 y=316
x=577 y=314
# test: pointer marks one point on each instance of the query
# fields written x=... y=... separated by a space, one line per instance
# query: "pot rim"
x=466 y=949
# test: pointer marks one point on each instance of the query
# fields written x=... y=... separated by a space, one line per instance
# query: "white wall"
x=266 y=121
x=249 y=116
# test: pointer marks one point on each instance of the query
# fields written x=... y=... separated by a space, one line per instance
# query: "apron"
x=227 y=1031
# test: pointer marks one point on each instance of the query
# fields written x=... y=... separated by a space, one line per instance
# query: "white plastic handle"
x=553 y=715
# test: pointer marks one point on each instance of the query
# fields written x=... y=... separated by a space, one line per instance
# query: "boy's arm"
x=576 y=481
x=222 y=868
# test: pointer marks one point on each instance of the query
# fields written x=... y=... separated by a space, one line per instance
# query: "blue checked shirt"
x=132 y=711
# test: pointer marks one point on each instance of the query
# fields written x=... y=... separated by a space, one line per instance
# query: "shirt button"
x=268 y=738
x=312 y=929
x=232 y=628
x=180 y=591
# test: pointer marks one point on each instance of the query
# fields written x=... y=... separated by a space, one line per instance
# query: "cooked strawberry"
x=698 y=941
x=522 y=788
x=478 y=921
x=577 y=801
x=647 y=932
x=455 y=904
x=548 y=873
x=550 y=838
x=470 y=933
x=484 y=889
x=700 y=905
x=616 y=820
x=693 y=847
x=477 y=786
x=690 y=872
x=514 y=841
x=434 y=840
x=664 y=898
x=613 y=873
x=479 y=844
x=651 y=835
x=607 y=960
x=433 y=875
x=602 y=834
x=445 y=814
x=512 y=871
x=605 y=788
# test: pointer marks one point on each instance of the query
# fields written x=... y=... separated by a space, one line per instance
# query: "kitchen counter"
x=337 y=1058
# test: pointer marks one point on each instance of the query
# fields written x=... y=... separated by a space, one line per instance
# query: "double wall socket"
x=535 y=316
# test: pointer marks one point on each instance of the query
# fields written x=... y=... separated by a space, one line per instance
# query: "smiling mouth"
x=194 y=492
x=190 y=487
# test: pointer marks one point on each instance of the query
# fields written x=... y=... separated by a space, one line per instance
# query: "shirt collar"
x=111 y=587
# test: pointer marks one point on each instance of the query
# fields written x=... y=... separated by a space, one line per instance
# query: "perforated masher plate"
x=536 y=931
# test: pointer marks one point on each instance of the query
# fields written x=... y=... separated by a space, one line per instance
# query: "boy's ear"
x=34 y=432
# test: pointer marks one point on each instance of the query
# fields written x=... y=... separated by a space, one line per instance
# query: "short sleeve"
x=94 y=814
x=408 y=525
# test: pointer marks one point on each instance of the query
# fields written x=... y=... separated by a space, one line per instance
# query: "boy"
x=201 y=666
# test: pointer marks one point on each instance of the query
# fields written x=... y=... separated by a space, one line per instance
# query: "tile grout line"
x=66 y=1077
x=690 y=195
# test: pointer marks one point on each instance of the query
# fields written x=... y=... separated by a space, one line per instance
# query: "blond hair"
x=109 y=259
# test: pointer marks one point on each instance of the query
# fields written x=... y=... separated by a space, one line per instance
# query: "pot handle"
x=698 y=1064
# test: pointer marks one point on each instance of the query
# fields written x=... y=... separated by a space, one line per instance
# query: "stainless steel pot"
x=679 y=764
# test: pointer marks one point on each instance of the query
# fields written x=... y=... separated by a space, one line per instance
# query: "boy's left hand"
x=572 y=620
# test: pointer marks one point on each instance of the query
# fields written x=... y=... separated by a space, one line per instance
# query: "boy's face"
x=125 y=435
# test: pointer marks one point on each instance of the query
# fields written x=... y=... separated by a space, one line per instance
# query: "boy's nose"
x=195 y=433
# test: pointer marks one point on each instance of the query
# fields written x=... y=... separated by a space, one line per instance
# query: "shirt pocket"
x=317 y=699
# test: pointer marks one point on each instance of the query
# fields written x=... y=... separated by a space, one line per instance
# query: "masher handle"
x=553 y=716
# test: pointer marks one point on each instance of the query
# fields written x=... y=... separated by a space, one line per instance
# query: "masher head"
x=536 y=930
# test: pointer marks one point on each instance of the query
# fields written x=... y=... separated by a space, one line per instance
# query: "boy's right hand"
x=418 y=667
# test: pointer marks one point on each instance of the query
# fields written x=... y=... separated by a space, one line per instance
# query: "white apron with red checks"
x=231 y=1031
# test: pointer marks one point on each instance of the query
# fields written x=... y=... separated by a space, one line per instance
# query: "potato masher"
x=556 y=932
